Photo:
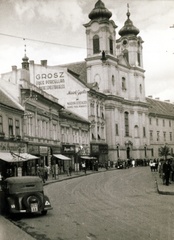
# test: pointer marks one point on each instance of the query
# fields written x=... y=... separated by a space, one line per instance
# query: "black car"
x=25 y=195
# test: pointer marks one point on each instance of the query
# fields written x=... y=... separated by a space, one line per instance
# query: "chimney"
x=157 y=98
x=167 y=100
x=44 y=63
x=150 y=96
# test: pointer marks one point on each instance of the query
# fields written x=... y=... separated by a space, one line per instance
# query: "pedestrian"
x=70 y=170
x=84 y=167
x=166 y=171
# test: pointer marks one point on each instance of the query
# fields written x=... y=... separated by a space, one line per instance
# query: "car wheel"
x=34 y=198
x=44 y=212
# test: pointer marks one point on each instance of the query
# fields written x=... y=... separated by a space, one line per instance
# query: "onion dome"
x=25 y=58
x=100 y=11
x=129 y=28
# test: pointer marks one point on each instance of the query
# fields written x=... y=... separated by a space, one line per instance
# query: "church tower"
x=101 y=47
x=25 y=63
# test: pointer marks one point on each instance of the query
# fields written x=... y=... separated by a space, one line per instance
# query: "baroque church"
x=107 y=89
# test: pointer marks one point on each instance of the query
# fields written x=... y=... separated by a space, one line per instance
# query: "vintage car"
x=25 y=195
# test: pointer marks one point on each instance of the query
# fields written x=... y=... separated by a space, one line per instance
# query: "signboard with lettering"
x=61 y=84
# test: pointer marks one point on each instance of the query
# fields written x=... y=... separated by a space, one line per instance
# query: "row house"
x=32 y=122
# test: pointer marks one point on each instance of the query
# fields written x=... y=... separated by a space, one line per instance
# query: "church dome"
x=128 y=28
x=100 y=11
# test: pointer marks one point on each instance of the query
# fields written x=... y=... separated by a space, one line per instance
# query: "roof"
x=24 y=179
x=7 y=100
x=158 y=107
x=64 y=113
x=78 y=70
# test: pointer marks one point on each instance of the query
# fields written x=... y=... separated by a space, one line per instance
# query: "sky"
x=53 y=30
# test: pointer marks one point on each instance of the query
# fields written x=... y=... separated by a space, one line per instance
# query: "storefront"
x=100 y=151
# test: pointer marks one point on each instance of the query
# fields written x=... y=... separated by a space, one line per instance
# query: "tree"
x=164 y=151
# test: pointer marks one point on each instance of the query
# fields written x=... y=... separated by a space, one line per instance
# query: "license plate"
x=34 y=207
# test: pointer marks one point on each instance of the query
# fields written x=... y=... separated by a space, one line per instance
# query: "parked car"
x=25 y=195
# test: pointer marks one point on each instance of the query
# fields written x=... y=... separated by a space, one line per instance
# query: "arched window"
x=140 y=88
x=138 y=59
x=111 y=45
x=123 y=83
x=126 y=122
x=113 y=80
x=96 y=44
x=136 y=130
x=126 y=55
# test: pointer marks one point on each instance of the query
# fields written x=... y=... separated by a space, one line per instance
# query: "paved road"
x=112 y=205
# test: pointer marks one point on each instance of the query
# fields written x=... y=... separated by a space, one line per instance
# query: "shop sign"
x=103 y=149
x=12 y=146
x=33 y=149
x=94 y=149
x=68 y=149
x=43 y=150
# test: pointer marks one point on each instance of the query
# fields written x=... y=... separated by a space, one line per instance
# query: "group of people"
x=165 y=169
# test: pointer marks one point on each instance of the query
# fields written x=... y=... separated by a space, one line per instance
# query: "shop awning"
x=16 y=157
x=87 y=157
x=61 y=157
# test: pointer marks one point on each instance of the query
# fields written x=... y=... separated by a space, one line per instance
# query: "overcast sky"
x=61 y=22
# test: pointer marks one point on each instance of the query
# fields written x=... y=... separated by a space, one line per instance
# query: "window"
x=158 y=136
x=126 y=55
x=96 y=44
x=136 y=131
x=17 y=130
x=97 y=110
x=157 y=121
x=144 y=132
x=163 y=123
x=126 y=121
x=10 y=127
x=151 y=135
x=1 y=126
x=113 y=80
x=116 y=129
x=170 y=123
x=123 y=83
x=111 y=45
x=164 y=135
x=150 y=121
x=138 y=59
x=140 y=88
x=171 y=136
x=92 y=109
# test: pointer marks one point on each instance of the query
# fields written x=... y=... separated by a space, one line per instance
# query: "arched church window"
x=138 y=59
x=140 y=88
x=136 y=131
x=96 y=44
x=123 y=83
x=126 y=55
x=113 y=80
x=126 y=122
x=111 y=45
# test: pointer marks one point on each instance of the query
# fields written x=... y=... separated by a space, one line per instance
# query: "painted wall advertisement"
x=50 y=80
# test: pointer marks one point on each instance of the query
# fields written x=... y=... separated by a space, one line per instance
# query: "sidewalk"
x=63 y=176
x=162 y=188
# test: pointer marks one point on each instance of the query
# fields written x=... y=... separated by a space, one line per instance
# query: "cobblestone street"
x=120 y=204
